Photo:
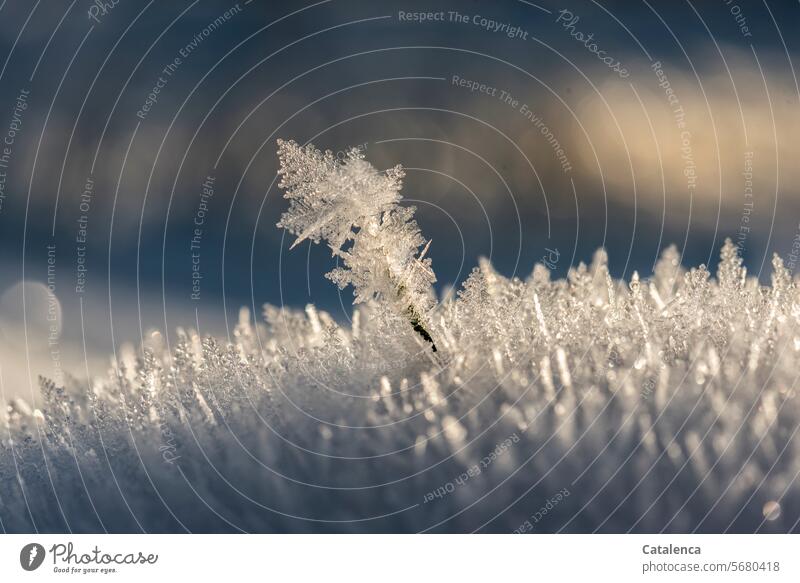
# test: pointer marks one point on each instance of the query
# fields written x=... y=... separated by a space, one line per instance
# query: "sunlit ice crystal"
x=664 y=403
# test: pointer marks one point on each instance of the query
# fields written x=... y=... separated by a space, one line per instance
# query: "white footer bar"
x=406 y=558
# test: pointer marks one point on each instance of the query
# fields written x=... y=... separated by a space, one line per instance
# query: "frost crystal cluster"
x=355 y=209
x=667 y=403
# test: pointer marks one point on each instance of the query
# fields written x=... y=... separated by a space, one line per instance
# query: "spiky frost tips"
x=355 y=209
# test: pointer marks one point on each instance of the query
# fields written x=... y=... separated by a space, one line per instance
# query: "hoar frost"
x=355 y=209
x=665 y=403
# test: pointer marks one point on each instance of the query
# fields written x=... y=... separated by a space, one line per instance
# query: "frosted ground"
x=664 y=403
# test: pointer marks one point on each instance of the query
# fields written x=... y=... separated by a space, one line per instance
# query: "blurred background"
x=138 y=170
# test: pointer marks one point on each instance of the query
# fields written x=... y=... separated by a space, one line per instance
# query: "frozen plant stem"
x=355 y=210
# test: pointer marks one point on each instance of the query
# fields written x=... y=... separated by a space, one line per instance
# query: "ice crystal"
x=355 y=209
x=663 y=403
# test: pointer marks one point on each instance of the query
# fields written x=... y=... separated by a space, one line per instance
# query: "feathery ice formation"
x=666 y=404
x=578 y=405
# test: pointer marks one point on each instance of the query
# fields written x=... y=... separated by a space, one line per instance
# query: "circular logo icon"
x=31 y=556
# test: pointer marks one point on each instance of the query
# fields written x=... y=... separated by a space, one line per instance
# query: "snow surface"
x=667 y=403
